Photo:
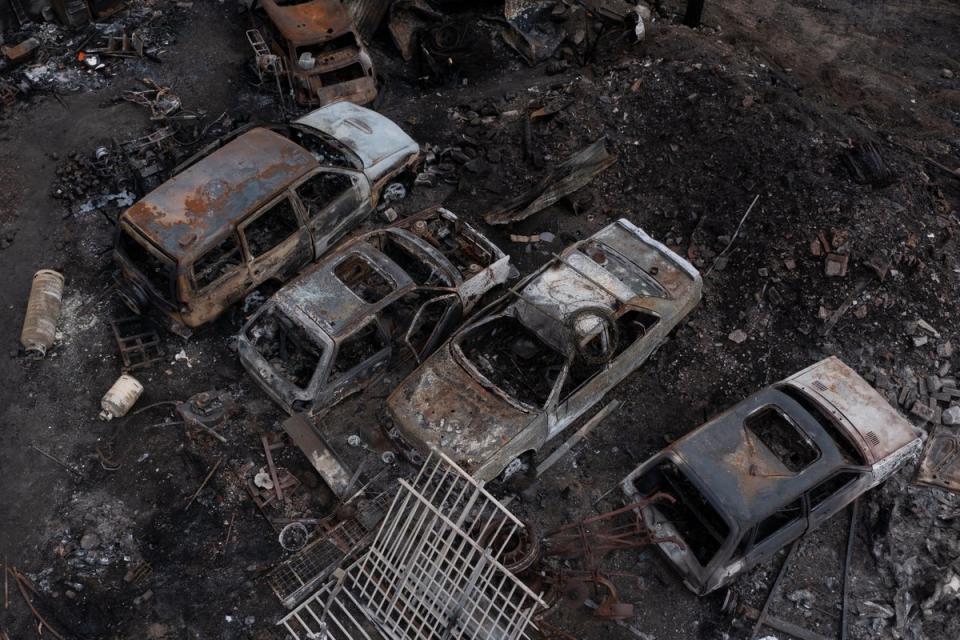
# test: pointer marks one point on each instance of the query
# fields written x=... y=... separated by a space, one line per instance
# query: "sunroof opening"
x=783 y=438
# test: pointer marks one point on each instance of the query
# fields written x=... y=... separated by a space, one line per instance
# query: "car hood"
x=441 y=405
x=377 y=141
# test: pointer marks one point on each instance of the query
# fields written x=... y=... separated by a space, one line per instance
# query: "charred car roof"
x=321 y=296
x=747 y=480
x=309 y=22
x=195 y=209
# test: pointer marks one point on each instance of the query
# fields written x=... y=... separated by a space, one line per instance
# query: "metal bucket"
x=121 y=396
x=43 y=312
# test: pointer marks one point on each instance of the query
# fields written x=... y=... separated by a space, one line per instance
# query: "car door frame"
x=222 y=290
x=270 y=263
x=361 y=190
x=357 y=378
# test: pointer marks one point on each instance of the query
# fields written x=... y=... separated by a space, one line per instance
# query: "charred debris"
x=417 y=381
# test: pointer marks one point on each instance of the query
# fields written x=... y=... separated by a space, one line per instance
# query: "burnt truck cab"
x=329 y=332
x=543 y=355
x=322 y=50
x=257 y=206
x=773 y=467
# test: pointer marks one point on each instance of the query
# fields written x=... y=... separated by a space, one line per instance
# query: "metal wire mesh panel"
x=433 y=570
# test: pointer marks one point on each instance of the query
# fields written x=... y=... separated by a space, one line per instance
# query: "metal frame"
x=433 y=571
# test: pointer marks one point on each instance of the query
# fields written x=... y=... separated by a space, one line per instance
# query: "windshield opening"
x=850 y=452
x=698 y=524
x=158 y=272
x=514 y=358
x=290 y=350
x=362 y=279
x=343 y=41
x=413 y=264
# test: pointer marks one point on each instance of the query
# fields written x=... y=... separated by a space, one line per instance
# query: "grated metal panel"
x=432 y=572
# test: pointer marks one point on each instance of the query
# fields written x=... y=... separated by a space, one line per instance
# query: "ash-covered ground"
x=773 y=102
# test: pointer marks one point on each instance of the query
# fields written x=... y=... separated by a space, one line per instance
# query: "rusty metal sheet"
x=368 y=14
x=940 y=466
x=869 y=419
x=565 y=178
x=309 y=22
x=327 y=463
x=192 y=211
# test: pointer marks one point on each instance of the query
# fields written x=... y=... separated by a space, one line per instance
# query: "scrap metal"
x=565 y=178
x=427 y=576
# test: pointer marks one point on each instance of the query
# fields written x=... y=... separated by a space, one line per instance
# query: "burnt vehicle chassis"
x=578 y=326
x=323 y=53
x=771 y=468
x=331 y=331
x=256 y=205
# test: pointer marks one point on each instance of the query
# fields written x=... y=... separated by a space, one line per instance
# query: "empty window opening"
x=851 y=453
x=214 y=263
x=320 y=191
x=455 y=242
x=779 y=521
x=363 y=280
x=358 y=348
x=158 y=272
x=831 y=487
x=514 y=358
x=344 y=41
x=623 y=270
x=345 y=74
x=271 y=228
x=697 y=522
x=421 y=271
x=290 y=350
x=791 y=446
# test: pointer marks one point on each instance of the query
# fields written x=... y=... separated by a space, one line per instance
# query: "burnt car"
x=322 y=50
x=545 y=353
x=775 y=466
x=397 y=291
x=254 y=207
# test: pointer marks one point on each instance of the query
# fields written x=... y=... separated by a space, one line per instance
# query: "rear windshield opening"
x=453 y=241
x=419 y=270
x=345 y=74
x=159 y=273
x=292 y=353
x=791 y=446
x=363 y=280
x=847 y=448
x=514 y=358
x=700 y=526
x=344 y=41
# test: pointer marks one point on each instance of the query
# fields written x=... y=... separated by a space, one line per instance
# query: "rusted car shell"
x=327 y=310
x=205 y=203
x=192 y=212
x=746 y=483
x=448 y=404
x=309 y=22
x=315 y=23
